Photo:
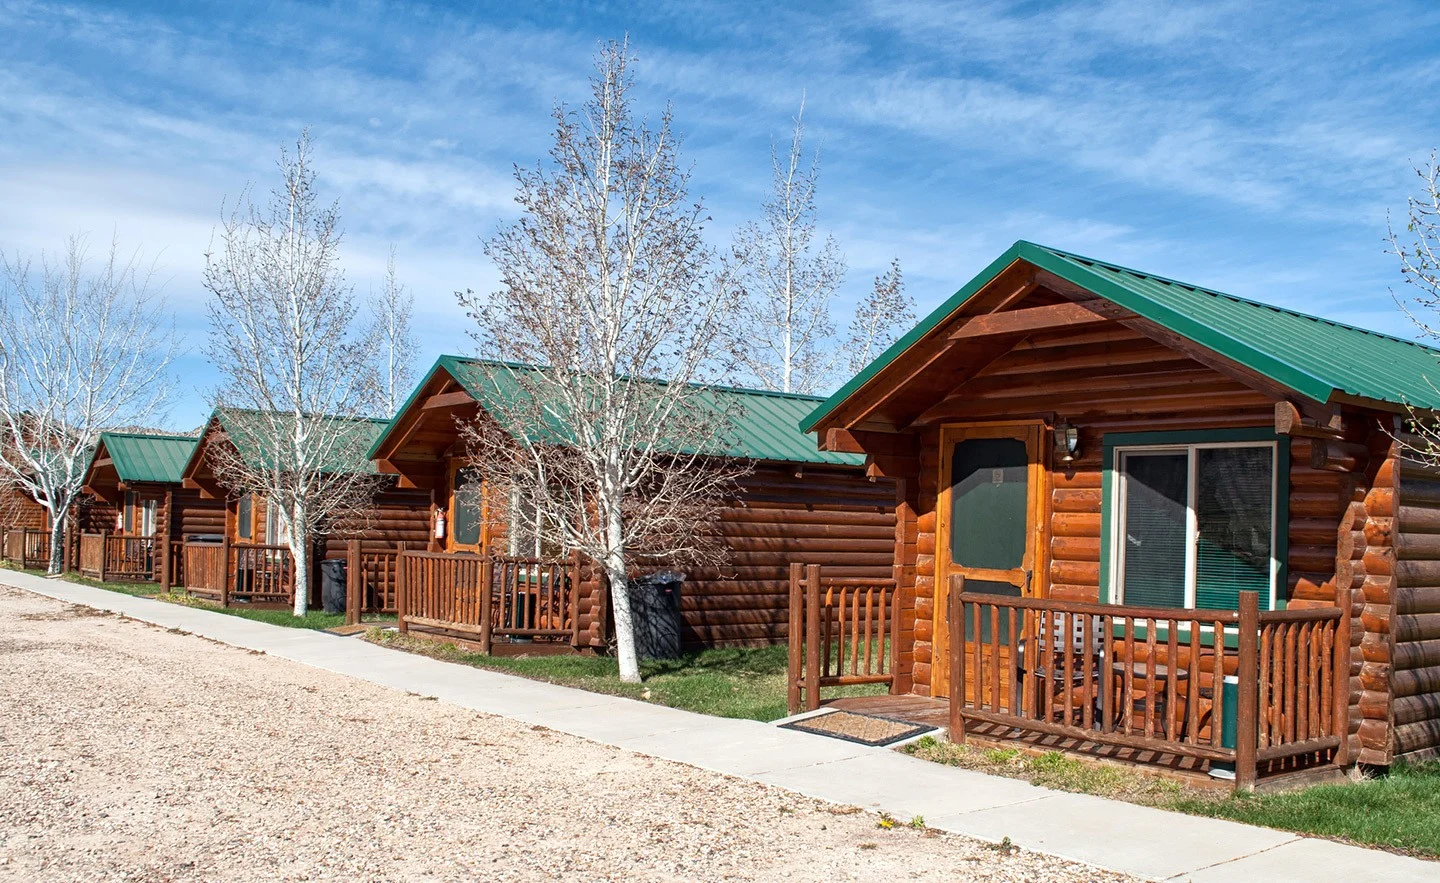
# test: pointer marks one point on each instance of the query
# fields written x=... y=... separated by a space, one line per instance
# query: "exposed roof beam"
x=1028 y=321
x=448 y=400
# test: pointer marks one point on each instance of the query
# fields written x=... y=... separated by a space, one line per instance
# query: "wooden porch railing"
x=843 y=631
x=256 y=572
x=1155 y=679
x=203 y=570
x=27 y=548
x=486 y=598
x=107 y=556
x=262 y=573
x=372 y=580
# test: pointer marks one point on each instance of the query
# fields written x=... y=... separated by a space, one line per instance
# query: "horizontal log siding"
x=1414 y=617
x=834 y=517
x=20 y=512
x=191 y=514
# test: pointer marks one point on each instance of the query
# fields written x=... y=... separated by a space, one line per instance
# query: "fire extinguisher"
x=440 y=525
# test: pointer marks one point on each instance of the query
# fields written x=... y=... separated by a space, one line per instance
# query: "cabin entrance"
x=987 y=527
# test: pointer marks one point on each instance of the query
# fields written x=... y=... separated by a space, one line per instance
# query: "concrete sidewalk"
x=1138 y=840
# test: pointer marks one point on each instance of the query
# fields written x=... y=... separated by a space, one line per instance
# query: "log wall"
x=1414 y=617
x=831 y=516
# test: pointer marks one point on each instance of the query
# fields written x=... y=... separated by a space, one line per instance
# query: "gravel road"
x=131 y=753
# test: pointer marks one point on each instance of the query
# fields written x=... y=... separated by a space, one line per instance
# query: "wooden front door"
x=988 y=524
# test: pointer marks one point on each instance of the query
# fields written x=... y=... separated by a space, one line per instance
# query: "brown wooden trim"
x=1029 y=320
x=447 y=400
x=1032 y=432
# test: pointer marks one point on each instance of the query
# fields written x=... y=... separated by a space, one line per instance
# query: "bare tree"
x=783 y=334
x=394 y=338
x=605 y=282
x=82 y=349
x=880 y=318
x=296 y=371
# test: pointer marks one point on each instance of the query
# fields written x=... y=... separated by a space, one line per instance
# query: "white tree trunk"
x=57 y=541
x=300 y=550
x=624 y=622
x=615 y=572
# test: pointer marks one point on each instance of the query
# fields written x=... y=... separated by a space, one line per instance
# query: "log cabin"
x=1143 y=518
x=239 y=550
x=798 y=503
x=24 y=529
x=139 y=510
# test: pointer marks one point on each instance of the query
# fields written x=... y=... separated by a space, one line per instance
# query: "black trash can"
x=332 y=585
x=655 y=609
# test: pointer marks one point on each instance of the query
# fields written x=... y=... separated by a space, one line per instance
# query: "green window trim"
x=1281 y=536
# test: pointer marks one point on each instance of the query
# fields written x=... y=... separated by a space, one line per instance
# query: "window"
x=530 y=534
x=1194 y=525
x=467 y=508
x=275 y=532
x=245 y=517
x=145 y=517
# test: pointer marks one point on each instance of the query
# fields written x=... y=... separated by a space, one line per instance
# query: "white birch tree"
x=884 y=314
x=296 y=369
x=783 y=334
x=83 y=348
x=395 y=346
x=607 y=284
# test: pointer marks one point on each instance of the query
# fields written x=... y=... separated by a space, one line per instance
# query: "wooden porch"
x=1254 y=695
x=498 y=604
x=27 y=548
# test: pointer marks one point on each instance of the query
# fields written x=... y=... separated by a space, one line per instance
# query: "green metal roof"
x=765 y=425
x=144 y=457
x=1317 y=358
x=247 y=430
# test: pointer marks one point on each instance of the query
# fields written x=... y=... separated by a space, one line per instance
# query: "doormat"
x=866 y=729
x=346 y=631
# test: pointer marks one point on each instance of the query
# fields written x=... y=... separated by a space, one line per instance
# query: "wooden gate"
x=843 y=631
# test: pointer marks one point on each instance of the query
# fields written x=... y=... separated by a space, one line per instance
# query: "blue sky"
x=1250 y=147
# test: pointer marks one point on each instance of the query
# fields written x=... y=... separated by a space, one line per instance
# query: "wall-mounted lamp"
x=1067 y=442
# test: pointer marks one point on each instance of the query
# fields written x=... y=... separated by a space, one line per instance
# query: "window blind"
x=1155 y=528
x=466 y=530
x=1233 y=514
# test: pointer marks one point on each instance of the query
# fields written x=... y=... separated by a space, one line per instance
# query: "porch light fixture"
x=1067 y=442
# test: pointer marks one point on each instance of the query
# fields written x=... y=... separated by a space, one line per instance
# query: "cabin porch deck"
x=1194 y=772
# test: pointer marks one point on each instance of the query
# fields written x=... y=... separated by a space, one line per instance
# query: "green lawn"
x=313 y=619
x=138 y=589
x=725 y=682
x=1399 y=812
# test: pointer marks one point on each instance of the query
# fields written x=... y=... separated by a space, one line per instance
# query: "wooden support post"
x=812 y=637
x=225 y=570
x=796 y=638
x=354 y=583
x=487 y=583
x=894 y=660
x=955 y=623
x=103 y=534
x=572 y=573
x=400 y=590
x=1247 y=713
x=1341 y=711
x=164 y=577
x=67 y=557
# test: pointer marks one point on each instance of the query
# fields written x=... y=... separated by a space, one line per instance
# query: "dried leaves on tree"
x=84 y=347
x=782 y=336
x=296 y=371
x=607 y=284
